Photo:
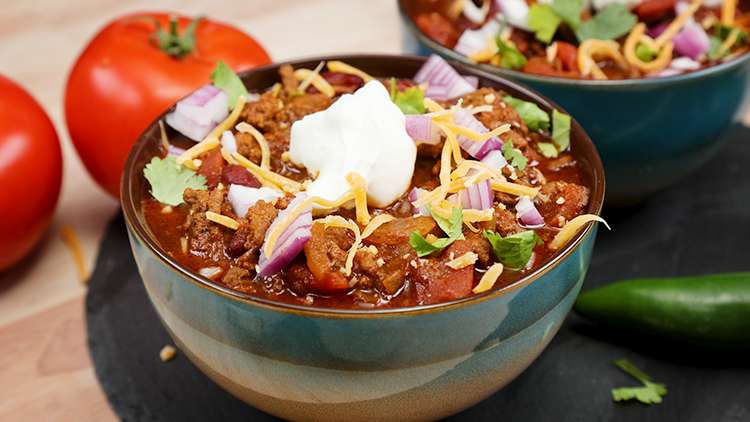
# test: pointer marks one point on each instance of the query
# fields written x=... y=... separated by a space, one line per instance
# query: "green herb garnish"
x=452 y=227
x=543 y=21
x=514 y=156
x=534 y=117
x=514 y=250
x=650 y=392
x=224 y=77
x=169 y=180
x=612 y=22
x=547 y=149
x=560 y=130
x=569 y=11
x=713 y=52
x=411 y=101
x=510 y=57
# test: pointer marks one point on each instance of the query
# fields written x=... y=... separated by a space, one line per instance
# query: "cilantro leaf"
x=534 y=117
x=514 y=156
x=224 y=77
x=410 y=101
x=452 y=227
x=569 y=11
x=543 y=22
x=650 y=392
x=510 y=57
x=514 y=250
x=723 y=32
x=169 y=180
x=612 y=22
x=560 y=130
x=646 y=54
x=713 y=52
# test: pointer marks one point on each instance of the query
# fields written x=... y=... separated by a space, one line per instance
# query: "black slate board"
x=698 y=227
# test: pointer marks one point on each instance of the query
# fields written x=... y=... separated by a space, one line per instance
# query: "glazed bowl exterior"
x=309 y=364
x=651 y=132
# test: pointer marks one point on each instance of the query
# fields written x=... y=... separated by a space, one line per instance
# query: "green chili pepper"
x=710 y=310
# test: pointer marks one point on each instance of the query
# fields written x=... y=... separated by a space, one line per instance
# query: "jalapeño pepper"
x=709 y=310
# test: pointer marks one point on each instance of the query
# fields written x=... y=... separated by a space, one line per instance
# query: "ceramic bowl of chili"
x=416 y=363
x=650 y=132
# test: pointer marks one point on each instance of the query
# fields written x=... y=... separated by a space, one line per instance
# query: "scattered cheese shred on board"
x=167 y=353
x=571 y=228
x=489 y=278
x=265 y=161
x=71 y=241
x=337 y=66
x=469 y=258
x=223 y=220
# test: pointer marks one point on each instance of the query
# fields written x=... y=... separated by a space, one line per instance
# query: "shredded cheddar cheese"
x=571 y=228
x=223 y=220
x=163 y=133
x=489 y=278
x=201 y=147
x=590 y=50
x=376 y=222
x=281 y=182
x=302 y=87
x=469 y=258
x=636 y=37
x=551 y=52
x=338 y=221
x=729 y=42
x=317 y=81
x=71 y=241
x=337 y=66
x=227 y=156
x=265 y=161
x=230 y=120
x=727 y=12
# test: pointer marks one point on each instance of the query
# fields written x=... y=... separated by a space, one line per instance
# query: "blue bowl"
x=650 y=133
x=413 y=364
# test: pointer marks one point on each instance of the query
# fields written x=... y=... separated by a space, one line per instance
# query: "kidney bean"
x=233 y=174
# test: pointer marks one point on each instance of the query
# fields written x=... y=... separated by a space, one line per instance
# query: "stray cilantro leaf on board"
x=560 y=130
x=534 y=117
x=224 y=77
x=411 y=101
x=169 y=180
x=612 y=22
x=510 y=57
x=514 y=250
x=452 y=227
x=514 y=156
x=543 y=22
x=650 y=392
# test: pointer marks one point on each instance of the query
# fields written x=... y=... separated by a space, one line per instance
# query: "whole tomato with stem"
x=30 y=172
x=132 y=71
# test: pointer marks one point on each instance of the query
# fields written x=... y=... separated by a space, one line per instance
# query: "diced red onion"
x=685 y=63
x=291 y=241
x=495 y=159
x=692 y=41
x=516 y=11
x=437 y=92
x=197 y=114
x=473 y=81
x=436 y=71
x=228 y=141
x=473 y=40
x=474 y=13
x=656 y=30
x=421 y=128
x=478 y=196
x=453 y=198
x=476 y=149
x=413 y=196
x=174 y=151
x=527 y=213
x=243 y=197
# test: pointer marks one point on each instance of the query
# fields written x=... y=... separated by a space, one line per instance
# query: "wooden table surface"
x=45 y=369
x=46 y=373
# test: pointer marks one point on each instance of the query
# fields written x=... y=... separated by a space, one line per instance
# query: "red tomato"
x=30 y=172
x=122 y=81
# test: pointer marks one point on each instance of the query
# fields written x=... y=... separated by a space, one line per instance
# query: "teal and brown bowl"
x=650 y=133
x=309 y=364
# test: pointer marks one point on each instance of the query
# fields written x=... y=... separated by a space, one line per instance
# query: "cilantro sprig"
x=411 y=101
x=510 y=57
x=514 y=250
x=612 y=22
x=169 y=180
x=224 y=77
x=650 y=392
x=514 y=156
x=452 y=227
x=543 y=22
x=534 y=117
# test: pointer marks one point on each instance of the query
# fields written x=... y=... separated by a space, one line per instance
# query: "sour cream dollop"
x=364 y=132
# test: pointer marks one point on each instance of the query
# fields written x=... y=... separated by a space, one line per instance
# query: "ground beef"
x=502 y=112
x=566 y=201
x=205 y=238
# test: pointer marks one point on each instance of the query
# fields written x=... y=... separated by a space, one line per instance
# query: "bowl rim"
x=136 y=226
x=700 y=74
